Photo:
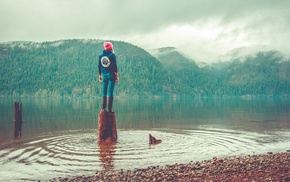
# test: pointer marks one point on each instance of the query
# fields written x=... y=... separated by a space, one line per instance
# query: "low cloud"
x=204 y=30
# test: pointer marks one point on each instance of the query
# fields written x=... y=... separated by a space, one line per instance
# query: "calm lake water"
x=59 y=136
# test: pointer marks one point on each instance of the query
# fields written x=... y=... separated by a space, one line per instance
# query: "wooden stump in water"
x=107 y=129
x=153 y=140
x=17 y=119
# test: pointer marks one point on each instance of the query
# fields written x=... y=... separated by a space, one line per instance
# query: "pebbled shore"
x=267 y=167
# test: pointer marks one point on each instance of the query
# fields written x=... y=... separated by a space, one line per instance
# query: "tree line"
x=70 y=68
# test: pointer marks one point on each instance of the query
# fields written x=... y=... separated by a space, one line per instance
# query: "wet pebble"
x=273 y=167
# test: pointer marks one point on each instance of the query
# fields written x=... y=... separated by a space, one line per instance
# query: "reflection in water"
x=49 y=115
x=59 y=135
x=76 y=153
x=107 y=152
x=17 y=119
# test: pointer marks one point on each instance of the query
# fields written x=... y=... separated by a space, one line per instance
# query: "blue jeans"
x=108 y=85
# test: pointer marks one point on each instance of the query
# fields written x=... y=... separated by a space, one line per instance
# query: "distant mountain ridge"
x=262 y=73
x=69 y=68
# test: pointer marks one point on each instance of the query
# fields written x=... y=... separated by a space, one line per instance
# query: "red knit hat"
x=108 y=46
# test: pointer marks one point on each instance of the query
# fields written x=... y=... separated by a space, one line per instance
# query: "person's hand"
x=100 y=78
x=117 y=79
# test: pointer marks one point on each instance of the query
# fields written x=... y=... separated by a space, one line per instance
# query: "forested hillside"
x=69 y=68
x=264 y=73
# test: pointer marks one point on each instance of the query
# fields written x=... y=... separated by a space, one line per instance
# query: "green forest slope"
x=69 y=68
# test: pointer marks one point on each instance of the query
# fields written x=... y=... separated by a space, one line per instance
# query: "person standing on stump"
x=108 y=75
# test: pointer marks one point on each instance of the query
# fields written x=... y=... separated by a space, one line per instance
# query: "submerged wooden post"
x=107 y=128
x=153 y=140
x=17 y=119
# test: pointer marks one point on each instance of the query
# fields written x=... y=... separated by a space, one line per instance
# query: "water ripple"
x=78 y=153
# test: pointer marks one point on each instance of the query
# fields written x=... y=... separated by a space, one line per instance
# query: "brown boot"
x=104 y=103
x=110 y=104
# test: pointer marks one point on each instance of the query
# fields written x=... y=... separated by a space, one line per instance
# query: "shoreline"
x=265 y=167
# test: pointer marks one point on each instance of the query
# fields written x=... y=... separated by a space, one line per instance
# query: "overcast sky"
x=202 y=29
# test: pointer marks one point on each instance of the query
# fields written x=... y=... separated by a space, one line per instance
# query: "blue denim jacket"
x=107 y=64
